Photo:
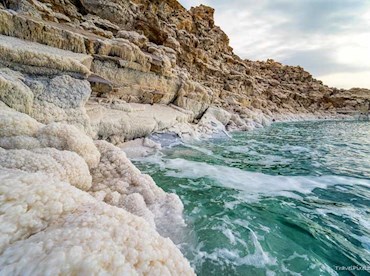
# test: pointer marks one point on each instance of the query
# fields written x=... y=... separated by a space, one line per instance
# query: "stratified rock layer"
x=158 y=52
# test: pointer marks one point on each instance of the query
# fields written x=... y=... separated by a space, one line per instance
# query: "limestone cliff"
x=159 y=52
x=79 y=78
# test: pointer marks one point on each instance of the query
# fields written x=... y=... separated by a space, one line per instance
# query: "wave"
x=251 y=182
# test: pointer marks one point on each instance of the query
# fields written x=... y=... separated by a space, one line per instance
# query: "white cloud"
x=354 y=49
x=193 y=3
x=347 y=80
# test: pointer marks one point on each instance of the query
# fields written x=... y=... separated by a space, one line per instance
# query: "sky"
x=329 y=38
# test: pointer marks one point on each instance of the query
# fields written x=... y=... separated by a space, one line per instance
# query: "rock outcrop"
x=157 y=52
x=76 y=72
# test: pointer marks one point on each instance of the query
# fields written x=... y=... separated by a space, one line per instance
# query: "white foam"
x=202 y=150
x=346 y=211
x=239 y=149
x=227 y=233
x=259 y=258
x=254 y=182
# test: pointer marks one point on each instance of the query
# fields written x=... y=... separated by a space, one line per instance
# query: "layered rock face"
x=157 y=52
x=80 y=77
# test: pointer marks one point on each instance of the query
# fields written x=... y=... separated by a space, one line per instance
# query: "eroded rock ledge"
x=80 y=78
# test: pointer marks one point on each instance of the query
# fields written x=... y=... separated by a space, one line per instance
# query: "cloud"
x=322 y=62
x=327 y=37
x=193 y=3
x=318 y=16
x=348 y=80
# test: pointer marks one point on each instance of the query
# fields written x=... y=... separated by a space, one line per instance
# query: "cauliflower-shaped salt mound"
x=64 y=165
x=19 y=142
x=135 y=204
x=14 y=92
x=29 y=202
x=68 y=137
x=20 y=131
x=118 y=182
x=52 y=228
x=13 y=123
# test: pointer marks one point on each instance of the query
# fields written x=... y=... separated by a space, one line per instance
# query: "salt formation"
x=51 y=228
x=58 y=186
x=63 y=165
x=66 y=137
x=116 y=177
x=49 y=222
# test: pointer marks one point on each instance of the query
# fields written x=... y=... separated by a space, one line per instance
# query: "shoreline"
x=144 y=146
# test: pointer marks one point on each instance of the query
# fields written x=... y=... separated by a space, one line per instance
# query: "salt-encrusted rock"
x=219 y=114
x=146 y=50
x=13 y=92
x=51 y=227
x=133 y=82
x=134 y=37
x=139 y=147
x=13 y=123
x=60 y=99
x=118 y=178
x=64 y=165
x=29 y=56
x=118 y=123
x=67 y=137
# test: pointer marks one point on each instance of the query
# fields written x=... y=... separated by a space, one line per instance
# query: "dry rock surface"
x=79 y=81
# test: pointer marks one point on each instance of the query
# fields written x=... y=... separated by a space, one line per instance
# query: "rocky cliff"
x=157 y=52
x=76 y=77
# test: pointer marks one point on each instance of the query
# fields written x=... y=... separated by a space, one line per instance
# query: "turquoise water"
x=289 y=199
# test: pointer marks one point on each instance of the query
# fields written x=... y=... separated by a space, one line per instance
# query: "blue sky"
x=329 y=38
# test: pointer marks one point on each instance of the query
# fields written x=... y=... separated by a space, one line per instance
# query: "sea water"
x=289 y=199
